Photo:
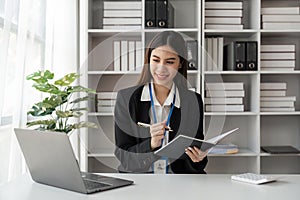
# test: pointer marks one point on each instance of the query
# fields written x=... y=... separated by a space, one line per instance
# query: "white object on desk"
x=253 y=178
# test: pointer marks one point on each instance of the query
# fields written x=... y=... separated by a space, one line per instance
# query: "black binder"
x=251 y=55
x=164 y=14
x=192 y=54
x=150 y=9
x=235 y=56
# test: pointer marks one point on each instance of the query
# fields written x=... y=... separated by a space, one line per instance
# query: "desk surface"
x=149 y=186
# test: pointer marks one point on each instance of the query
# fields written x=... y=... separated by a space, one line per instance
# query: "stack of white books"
x=127 y=55
x=224 y=149
x=280 y=18
x=105 y=102
x=224 y=15
x=122 y=15
x=273 y=98
x=278 y=57
x=224 y=97
x=214 y=54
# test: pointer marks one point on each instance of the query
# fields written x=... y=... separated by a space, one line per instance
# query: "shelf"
x=280 y=113
x=230 y=113
x=280 y=72
x=231 y=33
x=128 y=72
x=101 y=153
x=230 y=72
x=276 y=155
x=242 y=153
x=94 y=114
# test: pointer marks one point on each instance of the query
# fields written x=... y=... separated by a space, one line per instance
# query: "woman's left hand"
x=195 y=154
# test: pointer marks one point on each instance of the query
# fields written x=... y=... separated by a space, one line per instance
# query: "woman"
x=161 y=99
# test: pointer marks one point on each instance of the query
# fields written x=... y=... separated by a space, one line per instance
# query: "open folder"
x=177 y=146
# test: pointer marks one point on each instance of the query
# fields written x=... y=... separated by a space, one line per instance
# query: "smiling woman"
x=162 y=100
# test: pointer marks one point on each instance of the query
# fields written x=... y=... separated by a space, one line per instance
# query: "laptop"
x=51 y=161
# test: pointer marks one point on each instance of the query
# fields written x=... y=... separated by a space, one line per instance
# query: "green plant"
x=56 y=109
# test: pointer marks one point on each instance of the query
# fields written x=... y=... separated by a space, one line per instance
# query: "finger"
x=157 y=133
x=192 y=156
x=157 y=127
x=193 y=151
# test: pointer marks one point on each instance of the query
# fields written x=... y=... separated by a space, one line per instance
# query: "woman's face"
x=164 y=64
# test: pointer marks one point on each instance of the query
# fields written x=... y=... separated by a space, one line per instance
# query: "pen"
x=148 y=125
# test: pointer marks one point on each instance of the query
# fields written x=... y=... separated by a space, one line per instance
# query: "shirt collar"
x=146 y=96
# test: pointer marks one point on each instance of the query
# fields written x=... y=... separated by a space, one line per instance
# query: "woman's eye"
x=170 y=62
x=154 y=60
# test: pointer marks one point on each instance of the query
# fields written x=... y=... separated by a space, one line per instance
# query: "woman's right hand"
x=157 y=134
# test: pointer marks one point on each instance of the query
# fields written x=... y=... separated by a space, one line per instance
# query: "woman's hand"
x=157 y=134
x=195 y=154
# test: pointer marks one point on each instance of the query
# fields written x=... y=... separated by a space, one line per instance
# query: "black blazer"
x=133 y=143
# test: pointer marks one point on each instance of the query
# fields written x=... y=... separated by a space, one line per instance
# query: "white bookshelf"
x=256 y=128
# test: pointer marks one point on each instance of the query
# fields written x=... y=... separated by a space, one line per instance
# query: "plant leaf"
x=67 y=79
x=48 y=88
x=84 y=125
x=41 y=77
x=41 y=122
x=78 y=109
x=80 y=99
x=79 y=88
x=66 y=114
x=38 y=110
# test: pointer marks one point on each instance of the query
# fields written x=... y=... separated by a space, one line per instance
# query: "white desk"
x=171 y=187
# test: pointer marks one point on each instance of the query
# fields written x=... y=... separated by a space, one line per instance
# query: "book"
x=280 y=11
x=276 y=104
x=273 y=93
x=225 y=93
x=223 y=13
x=289 y=98
x=120 y=27
x=131 y=56
x=122 y=21
x=124 y=55
x=177 y=146
x=277 y=68
x=215 y=53
x=273 y=86
x=222 y=101
x=106 y=95
x=138 y=55
x=223 y=5
x=122 y=13
x=277 y=48
x=282 y=149
x=281 y=25
x=117 y=55
x=224 y=108
x=223 y=20
x=277 y=56
x=224 y=86
x=209 y=53
x=220 y=53
x=106 y=102
x=224 y=26
x=224 y=149
x=291 y=109
x=280 y=18
x=122 y=5
x=277 y=63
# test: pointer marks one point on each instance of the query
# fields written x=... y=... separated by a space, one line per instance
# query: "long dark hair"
x=176 y=42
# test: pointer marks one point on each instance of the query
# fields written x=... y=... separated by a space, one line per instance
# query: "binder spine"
x=150 y=13
x=251 y=50
x=240 y=56
x=162 y=13
x=192 y=52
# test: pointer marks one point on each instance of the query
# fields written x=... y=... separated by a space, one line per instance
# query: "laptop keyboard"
x=90 y=185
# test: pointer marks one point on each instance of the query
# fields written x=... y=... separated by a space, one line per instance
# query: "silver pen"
x=148 y=126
